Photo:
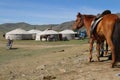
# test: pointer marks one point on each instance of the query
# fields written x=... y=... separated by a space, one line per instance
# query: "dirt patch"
x=67 y=64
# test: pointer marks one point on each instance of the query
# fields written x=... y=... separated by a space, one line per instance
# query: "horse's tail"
x=116 y=39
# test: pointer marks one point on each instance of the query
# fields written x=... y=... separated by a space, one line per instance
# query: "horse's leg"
x=91 y=41
x=46 y=39
x=98 y=50
x=112 y=48
x=40 y=39
x=102 y=49
x=106 y=51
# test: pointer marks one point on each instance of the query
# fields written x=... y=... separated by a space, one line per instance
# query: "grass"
x=31 y=50
x=7 y=55
x=28 y=42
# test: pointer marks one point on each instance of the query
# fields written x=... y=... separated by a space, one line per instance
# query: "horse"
x=44 y=36
x=107 y=29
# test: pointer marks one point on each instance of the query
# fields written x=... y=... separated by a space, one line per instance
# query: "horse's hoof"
x=99 y=60
x=112 y=65
x=89 y=60
x=101 y=56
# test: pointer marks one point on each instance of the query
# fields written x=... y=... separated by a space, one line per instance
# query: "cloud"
x=3 y=20
x=89 y=10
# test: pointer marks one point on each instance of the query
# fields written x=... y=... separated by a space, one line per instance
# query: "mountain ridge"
x=10 y=26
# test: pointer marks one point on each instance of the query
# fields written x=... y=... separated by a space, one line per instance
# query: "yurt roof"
x=67 y=32
x=34 y=31
x=49 y=32
x=18 y=31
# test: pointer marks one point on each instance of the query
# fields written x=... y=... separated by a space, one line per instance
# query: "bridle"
x=81 y=21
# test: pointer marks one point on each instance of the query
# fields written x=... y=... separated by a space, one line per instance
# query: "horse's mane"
x=90 y=16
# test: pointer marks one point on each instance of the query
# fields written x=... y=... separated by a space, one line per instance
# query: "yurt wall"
x=18 y=34
x=26 y=36
x=34 y=33
x=68 y=36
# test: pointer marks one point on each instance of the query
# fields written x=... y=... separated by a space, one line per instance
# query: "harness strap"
x=94 y=25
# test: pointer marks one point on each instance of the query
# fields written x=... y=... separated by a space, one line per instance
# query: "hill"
x=10 y=26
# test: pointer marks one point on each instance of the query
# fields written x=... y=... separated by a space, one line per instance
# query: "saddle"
x=97 y=20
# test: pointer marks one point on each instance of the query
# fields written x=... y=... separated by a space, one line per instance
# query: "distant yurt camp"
x=18 y=34
x=34 y=32
x=47 y=32
x=68 y=34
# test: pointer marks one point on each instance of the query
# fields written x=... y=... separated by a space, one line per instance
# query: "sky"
x=40 y=12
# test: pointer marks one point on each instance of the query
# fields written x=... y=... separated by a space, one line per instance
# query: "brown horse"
x=44 y=36
x=107 y=29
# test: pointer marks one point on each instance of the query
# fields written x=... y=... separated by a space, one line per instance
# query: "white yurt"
x=46 y=32
x=49 y=31
x=69 y=34
x=18 y=34
x=34 y=32
x=38 y=36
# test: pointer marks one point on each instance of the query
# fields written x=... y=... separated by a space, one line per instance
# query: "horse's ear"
x=78 y=15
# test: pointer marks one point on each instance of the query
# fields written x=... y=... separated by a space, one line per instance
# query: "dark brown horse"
x=107 y=29
x=44 y=36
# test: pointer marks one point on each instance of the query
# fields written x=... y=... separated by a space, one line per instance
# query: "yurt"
x=38 y=36
x=18 y=34
x=68 y=34
x=34 y=32
x=47 y=32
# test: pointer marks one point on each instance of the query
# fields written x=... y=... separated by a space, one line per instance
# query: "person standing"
x=9 y=43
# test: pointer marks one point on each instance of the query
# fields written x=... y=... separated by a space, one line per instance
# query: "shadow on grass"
x=13 y=48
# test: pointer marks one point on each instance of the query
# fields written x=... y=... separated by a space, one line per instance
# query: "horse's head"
x=78 y=22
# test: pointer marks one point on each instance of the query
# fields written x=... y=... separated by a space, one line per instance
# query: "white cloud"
x=89 y=10
x=6 y=20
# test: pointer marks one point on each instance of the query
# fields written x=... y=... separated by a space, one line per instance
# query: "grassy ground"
x=27 y=48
